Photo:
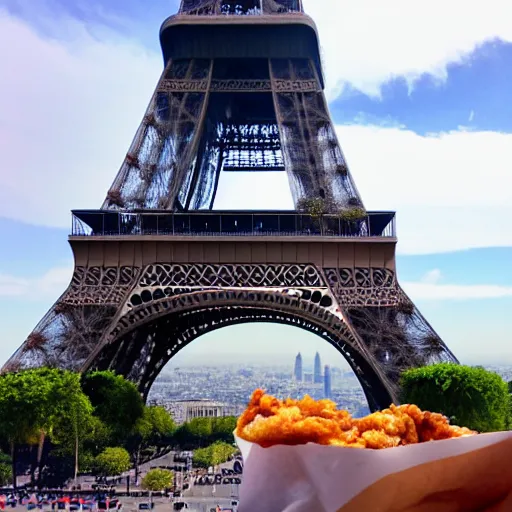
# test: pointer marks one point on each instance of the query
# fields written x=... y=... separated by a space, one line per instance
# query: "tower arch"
x=148 y=336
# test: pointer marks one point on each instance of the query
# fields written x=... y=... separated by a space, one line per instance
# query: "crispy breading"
x=269 y=421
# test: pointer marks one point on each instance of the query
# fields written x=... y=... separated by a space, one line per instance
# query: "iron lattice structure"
x=157 y=266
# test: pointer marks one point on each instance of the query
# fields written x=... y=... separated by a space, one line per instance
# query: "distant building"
x=298 y=368
x=308 y=378
x=183 y=411
x=318 y=369
x=327 y=382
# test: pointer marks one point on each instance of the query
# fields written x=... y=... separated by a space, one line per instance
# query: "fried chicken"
x=268 y=421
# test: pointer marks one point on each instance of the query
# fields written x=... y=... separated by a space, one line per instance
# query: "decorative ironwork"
x=296 y=85
x=146 y=337
x=250 y=147
x=98 y=285
x=398 y=337
x=65 y=337
x=172 y=161
x=168 y=85
x=363 y=286
x=204 y=276
x=311 y=150
x=237 y=85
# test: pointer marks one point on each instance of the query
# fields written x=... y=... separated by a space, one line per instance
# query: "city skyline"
x=315 y=376
x=422 y=116
x=272 y=343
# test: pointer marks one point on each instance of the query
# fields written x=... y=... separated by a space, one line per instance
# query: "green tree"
x=21 y=397
x=5 y=470
x=471 y=397
x=213 y=455
x=112 y=462
x=509 y=419
x=32 y=403
x=97 y=437
x=223 y=428
x=116 y=401
x=75 y=424
x=202 y=432
x=509 y=416
x=155 y=425
x=157 y=480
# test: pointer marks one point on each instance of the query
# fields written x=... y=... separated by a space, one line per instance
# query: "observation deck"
x=231 y=224
x=245 y=29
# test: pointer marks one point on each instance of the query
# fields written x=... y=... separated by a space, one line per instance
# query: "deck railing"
x=228 y=223
x=231 y=223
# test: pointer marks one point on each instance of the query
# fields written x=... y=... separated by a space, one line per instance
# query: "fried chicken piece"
x=377 y=439
x=268 y=421
x=398 y=427
x=432 y=426
x=350 y=438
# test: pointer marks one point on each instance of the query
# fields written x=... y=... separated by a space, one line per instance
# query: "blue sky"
x=422 y=98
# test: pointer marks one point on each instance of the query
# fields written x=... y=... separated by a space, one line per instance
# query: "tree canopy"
x=154 y=424
x=157 y=480
x=35 y=403
x=5 y=470
x=213 y=455
x=95 y=421
x=112 y=462
x=116 y=401
x=202 y=432
x=509 y=419
x=470 y=397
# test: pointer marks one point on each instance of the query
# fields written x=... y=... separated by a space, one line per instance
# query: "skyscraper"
x=318 y=370
x=298 y=368
x=327 y=382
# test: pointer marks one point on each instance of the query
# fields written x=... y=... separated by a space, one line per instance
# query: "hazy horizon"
x=268 y=344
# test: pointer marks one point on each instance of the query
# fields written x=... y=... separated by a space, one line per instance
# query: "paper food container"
x=473 y=472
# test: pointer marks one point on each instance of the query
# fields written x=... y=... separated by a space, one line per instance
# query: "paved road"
x=195 y=504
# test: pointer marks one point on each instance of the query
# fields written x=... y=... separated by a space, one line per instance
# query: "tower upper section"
x=241 y=92
x=241 y=29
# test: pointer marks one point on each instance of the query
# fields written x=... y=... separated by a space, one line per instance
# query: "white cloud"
x=432 y=277
x=430 y=291
x=451 y=191
x=366 y=42
x=70 y=110
x=429 y=288
x=49 y=286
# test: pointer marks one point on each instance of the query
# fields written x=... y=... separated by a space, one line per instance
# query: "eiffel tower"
x=157 y=266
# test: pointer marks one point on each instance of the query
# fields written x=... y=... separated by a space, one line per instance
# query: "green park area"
x=64 y=423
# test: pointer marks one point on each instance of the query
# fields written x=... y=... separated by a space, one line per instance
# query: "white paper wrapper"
x=311 y=477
